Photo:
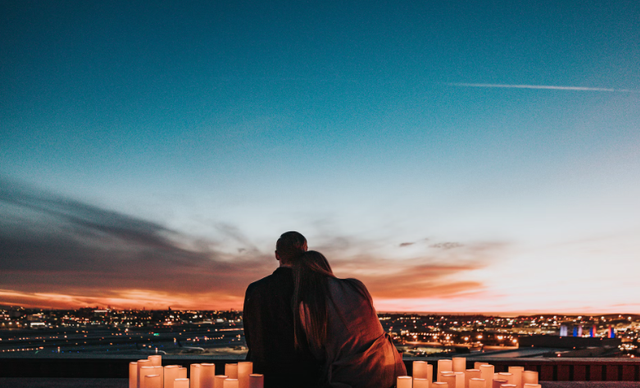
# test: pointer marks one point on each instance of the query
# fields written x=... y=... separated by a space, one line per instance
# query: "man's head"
x=289 y=246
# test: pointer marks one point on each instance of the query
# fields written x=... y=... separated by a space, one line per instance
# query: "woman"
x=336 y=321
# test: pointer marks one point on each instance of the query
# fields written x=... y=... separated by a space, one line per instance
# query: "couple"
x=306 y=328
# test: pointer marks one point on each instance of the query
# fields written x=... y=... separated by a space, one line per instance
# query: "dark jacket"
x=268 y=329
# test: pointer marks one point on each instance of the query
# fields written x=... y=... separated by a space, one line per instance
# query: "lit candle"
x=170 y=374
x=517 y=375
x=181 y=383
x=245 y=368
x=529 y=377
x=476 y=383
x=471 y=374
x=476 y=365
x=231 y=383
x=256 y=380
x=218 y=381
x=445 y=366
x=420 y=382
x=444 y=373
x=508 y=386
x=156 y=360
x=140 y=364
x=195 y=375
x=497 y=383
x=207 y=371
x=143 y=372
x=231 y=370
x=404 y=381
x=152 y=381
x=459 y=379
x=133 y=375
x=439 y=384
x=421 y=370
x=486 y=372
x=532 y=386
x=507 y=376
x=449 y=378
x=459 y=364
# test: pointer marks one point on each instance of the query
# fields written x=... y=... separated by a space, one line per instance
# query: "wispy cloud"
x=542 y=87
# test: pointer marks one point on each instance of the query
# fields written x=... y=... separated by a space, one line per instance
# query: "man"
x=268 y=323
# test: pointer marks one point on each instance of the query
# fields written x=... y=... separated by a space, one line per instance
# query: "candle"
x=218 y=381
x=498 y=383
x=422 y=370
x=421 y=383
x=245 y=368
x=231 y=383
x=486 y=372
x=143 y=372
x=529 y=377
x=160 y=372
x=476 y=365
x=507 y=376
x=508 y=386
x=207 y=371
x=181 y=383
x=471 y=374
x=256 y=381
x=156 y=360
x=476 y=383
x=459 y=379
x=152 y=381
x=182 y=373
x=170 y=374
x=133 y=375
x=195 y=375
x=532 y=386
x=440 y=384
x=231 y=370
x=517 y=375
x=459 y=364
x=445 y=366
x=404 y=381
x=141 y=363
x=449 y=378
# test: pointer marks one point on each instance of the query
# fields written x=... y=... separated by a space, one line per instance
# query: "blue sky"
x=394 y=136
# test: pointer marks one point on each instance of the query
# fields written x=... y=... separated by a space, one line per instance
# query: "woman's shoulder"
x=353 y=284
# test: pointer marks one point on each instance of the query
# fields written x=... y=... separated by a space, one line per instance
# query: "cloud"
x=544 y=87
x=406 y=244
x=447 y=245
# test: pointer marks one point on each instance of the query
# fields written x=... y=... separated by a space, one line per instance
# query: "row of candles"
x=452 y=373
x=150 y=373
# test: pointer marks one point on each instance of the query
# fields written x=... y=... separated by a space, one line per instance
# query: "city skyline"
x=455 y=157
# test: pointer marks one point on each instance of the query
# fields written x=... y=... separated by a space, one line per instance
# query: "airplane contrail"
x=576 y=88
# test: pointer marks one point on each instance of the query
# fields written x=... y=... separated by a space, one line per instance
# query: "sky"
x=455 y=156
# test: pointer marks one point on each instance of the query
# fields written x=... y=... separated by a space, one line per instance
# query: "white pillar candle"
x=517 y=375
x=486 y=372
x=231 y=383
x=245 y=368
x=507 y=376
x=181 y=383
x=207 y=371
x=256 y=381
x=476 y=365
x=143 y=372
x=421 y=383
x=439 y=384
x=449 y=378
x=444 y=373
x=231 y=370
x=404 y=382
x=476 y=383
x=497 y=383
x=194 y=378
x=422 y=370
x=182 y=373
x=445 y=366
x=140 y=364
x=529 y=377
x=156 y=360
x=152 y=381
x=471 y=374
x=459 y=364
x=133 y=375
x=508 y=386
x=459 y=379
x=218 y=381
x=170 y=374
x=532 y=386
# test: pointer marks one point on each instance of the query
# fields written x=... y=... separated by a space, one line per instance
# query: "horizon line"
x=543 y=87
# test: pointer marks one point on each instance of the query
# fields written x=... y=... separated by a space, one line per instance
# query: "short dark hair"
x=290 y=245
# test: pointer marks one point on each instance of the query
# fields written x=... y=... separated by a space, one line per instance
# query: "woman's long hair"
x=311 y=271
